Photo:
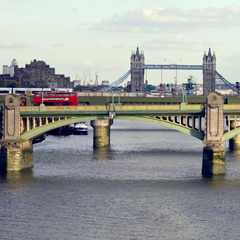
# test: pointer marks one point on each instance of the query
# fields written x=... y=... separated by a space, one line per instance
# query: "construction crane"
x=76 y=76
x=80 y=79
x=84 y=80
x=89 y=77
x=96 y=80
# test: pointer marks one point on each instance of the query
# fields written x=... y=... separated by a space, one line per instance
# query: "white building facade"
x=10 y=70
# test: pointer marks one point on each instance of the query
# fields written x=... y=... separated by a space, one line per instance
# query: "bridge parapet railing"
x=171 y=107
x=61 y=108
x=118 y=109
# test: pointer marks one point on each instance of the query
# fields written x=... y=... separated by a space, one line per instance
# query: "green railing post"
x=184 y=97
x=42 y=95
x=119 y=97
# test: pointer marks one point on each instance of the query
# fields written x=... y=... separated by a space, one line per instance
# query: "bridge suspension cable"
x=116 y=83
x=226 y=82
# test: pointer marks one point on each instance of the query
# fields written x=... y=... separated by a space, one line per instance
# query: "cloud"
x=59 y=44
x=88 y=63
x=170 y=19
x=176 y=42
x=73 y=9
x=82 y=24
x=120 y=46
x=7 y=44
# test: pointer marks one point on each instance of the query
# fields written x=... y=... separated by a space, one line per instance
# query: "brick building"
x=38 y=73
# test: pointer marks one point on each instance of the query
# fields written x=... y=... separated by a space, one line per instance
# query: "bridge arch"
x=181 y=128
x=48 y=127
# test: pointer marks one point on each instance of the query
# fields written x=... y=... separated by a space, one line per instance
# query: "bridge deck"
x=138 y=110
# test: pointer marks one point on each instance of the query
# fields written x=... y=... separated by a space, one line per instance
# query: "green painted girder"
x=233 y=133
x=231 y=109
x=181 y=128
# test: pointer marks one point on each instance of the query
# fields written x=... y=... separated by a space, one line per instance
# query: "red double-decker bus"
x=56 y=98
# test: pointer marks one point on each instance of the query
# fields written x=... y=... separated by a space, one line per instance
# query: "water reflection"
x=25 y=175
x=235 y=155
x=214 y=181
x=17 y=182
x=102 y=154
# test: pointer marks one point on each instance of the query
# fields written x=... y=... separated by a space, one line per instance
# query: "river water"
x=147 y=185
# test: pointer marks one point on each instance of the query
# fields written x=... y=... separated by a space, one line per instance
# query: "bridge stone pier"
x=101 y=132
x=213 y=143
x=234 y=143
x=15 y=154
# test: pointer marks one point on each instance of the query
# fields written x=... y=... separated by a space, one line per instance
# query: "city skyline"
x=99 y=36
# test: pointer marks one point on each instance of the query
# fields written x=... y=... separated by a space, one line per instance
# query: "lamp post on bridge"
x=42 y=95
x=119 y=96
x=184 y=96
x=112 y=96
x=237 y=86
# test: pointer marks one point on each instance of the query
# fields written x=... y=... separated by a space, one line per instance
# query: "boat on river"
x=80 y=128
x=39 y=138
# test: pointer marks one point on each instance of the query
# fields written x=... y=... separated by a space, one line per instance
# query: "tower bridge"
x=20 y=124
x=138 y=67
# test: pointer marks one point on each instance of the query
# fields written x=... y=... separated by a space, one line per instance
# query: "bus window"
x=67 y=103
x=49 y=103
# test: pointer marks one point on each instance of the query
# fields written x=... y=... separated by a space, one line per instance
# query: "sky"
x=86 y=37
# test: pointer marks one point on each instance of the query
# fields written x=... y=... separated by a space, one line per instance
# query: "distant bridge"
x=119 y=81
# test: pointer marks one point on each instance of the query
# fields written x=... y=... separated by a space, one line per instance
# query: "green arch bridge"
x=202 y=121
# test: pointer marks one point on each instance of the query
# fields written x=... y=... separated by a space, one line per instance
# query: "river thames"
x=148 y=185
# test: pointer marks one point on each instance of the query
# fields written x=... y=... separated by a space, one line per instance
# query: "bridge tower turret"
x=209 y=69
x=137 y=71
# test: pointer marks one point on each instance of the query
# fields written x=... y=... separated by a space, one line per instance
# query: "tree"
x=38 y=86
x=14 y=85
x=2 y=83
x=32 y=86
x=43 y=86
x=78 y=88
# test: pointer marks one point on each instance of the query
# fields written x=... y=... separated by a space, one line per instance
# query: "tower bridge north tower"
x=137 y=71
